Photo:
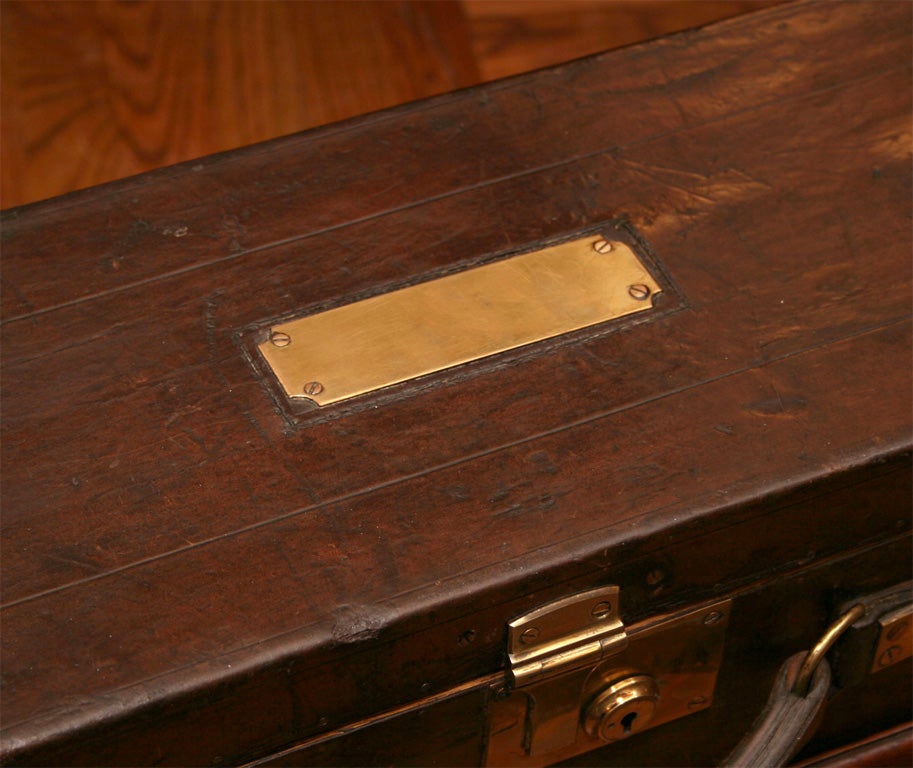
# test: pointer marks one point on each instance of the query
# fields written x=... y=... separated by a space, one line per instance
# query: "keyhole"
x=627 y=722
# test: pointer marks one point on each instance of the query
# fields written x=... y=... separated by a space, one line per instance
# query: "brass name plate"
x=398 y=336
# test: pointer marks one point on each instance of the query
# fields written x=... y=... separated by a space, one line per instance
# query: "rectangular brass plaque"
x=394 y=337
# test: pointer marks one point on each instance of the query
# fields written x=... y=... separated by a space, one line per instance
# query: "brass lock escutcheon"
x=578 y=678
x=623 y=708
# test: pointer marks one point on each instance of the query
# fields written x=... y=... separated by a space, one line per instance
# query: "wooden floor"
x=93 y=90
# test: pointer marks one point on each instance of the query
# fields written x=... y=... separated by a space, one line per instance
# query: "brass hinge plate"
x=565 y=635
x=428 y=327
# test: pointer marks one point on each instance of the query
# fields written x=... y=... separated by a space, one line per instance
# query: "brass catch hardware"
x=577 y=677
x=432 y=326
x=895 y=638
x=880 y=638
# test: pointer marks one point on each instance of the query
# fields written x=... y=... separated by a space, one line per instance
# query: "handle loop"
x=816 y=654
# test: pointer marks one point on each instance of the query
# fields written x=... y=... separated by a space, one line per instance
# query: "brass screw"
x=697 y=701
x=529 y=636
x=501 y=693
x=639 y=291
x=890 y=656
x=602 y=246
x=655 y=576
x=313 y=388
x=712 y=618
x=602 y=610
x=280 y=339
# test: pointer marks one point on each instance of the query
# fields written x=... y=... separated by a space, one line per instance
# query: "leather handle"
x=787 y=721
x=792 y=711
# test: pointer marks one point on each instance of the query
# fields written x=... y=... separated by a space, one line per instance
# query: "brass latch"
x=577 y=678
x=565 y=635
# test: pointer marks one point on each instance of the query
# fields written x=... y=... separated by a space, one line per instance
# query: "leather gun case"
x=476 y=558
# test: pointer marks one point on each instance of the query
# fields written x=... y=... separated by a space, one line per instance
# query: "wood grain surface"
x=509 y=37
x=192 y=572
x=97 y=90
